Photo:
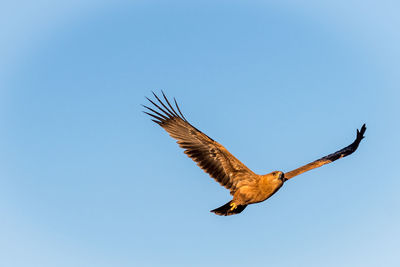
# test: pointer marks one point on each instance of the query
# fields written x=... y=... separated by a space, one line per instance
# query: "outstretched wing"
x=330 y=158
x=209 y=155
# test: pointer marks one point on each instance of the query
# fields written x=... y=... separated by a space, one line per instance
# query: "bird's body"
x=245 y=186
x=254 y=188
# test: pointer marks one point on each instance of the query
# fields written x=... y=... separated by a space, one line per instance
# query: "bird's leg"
x=233 y=206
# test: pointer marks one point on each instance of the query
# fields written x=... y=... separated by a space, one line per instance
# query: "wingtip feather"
x=169 y=104
x=179 y=110
x=360 y=133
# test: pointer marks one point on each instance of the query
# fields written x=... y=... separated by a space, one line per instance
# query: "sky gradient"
x=87 y=179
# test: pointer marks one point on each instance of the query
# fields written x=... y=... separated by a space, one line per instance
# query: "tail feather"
x=227 y=209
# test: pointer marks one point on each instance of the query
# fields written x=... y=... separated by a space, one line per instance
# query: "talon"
x=233 y=206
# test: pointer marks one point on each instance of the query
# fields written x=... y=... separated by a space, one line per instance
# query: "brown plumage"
x=245 y=186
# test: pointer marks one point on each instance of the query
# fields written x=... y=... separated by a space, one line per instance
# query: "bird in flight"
x=245 y=186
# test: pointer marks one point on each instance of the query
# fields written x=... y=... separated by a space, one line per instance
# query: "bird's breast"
x=269 y=187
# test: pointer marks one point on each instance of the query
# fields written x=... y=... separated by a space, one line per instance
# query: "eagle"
x=244 y=185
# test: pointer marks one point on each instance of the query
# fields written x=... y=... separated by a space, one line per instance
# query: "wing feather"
x=331 y=157
x=209 y=155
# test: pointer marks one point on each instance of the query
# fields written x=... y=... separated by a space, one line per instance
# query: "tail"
x=229 y=209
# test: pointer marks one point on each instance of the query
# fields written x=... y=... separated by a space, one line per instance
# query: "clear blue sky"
x=86 y=179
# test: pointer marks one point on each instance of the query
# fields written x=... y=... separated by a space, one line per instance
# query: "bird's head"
x=279 y=175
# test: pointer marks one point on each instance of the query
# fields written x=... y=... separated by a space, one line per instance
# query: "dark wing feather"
x=209 y=155
x=331 y=157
